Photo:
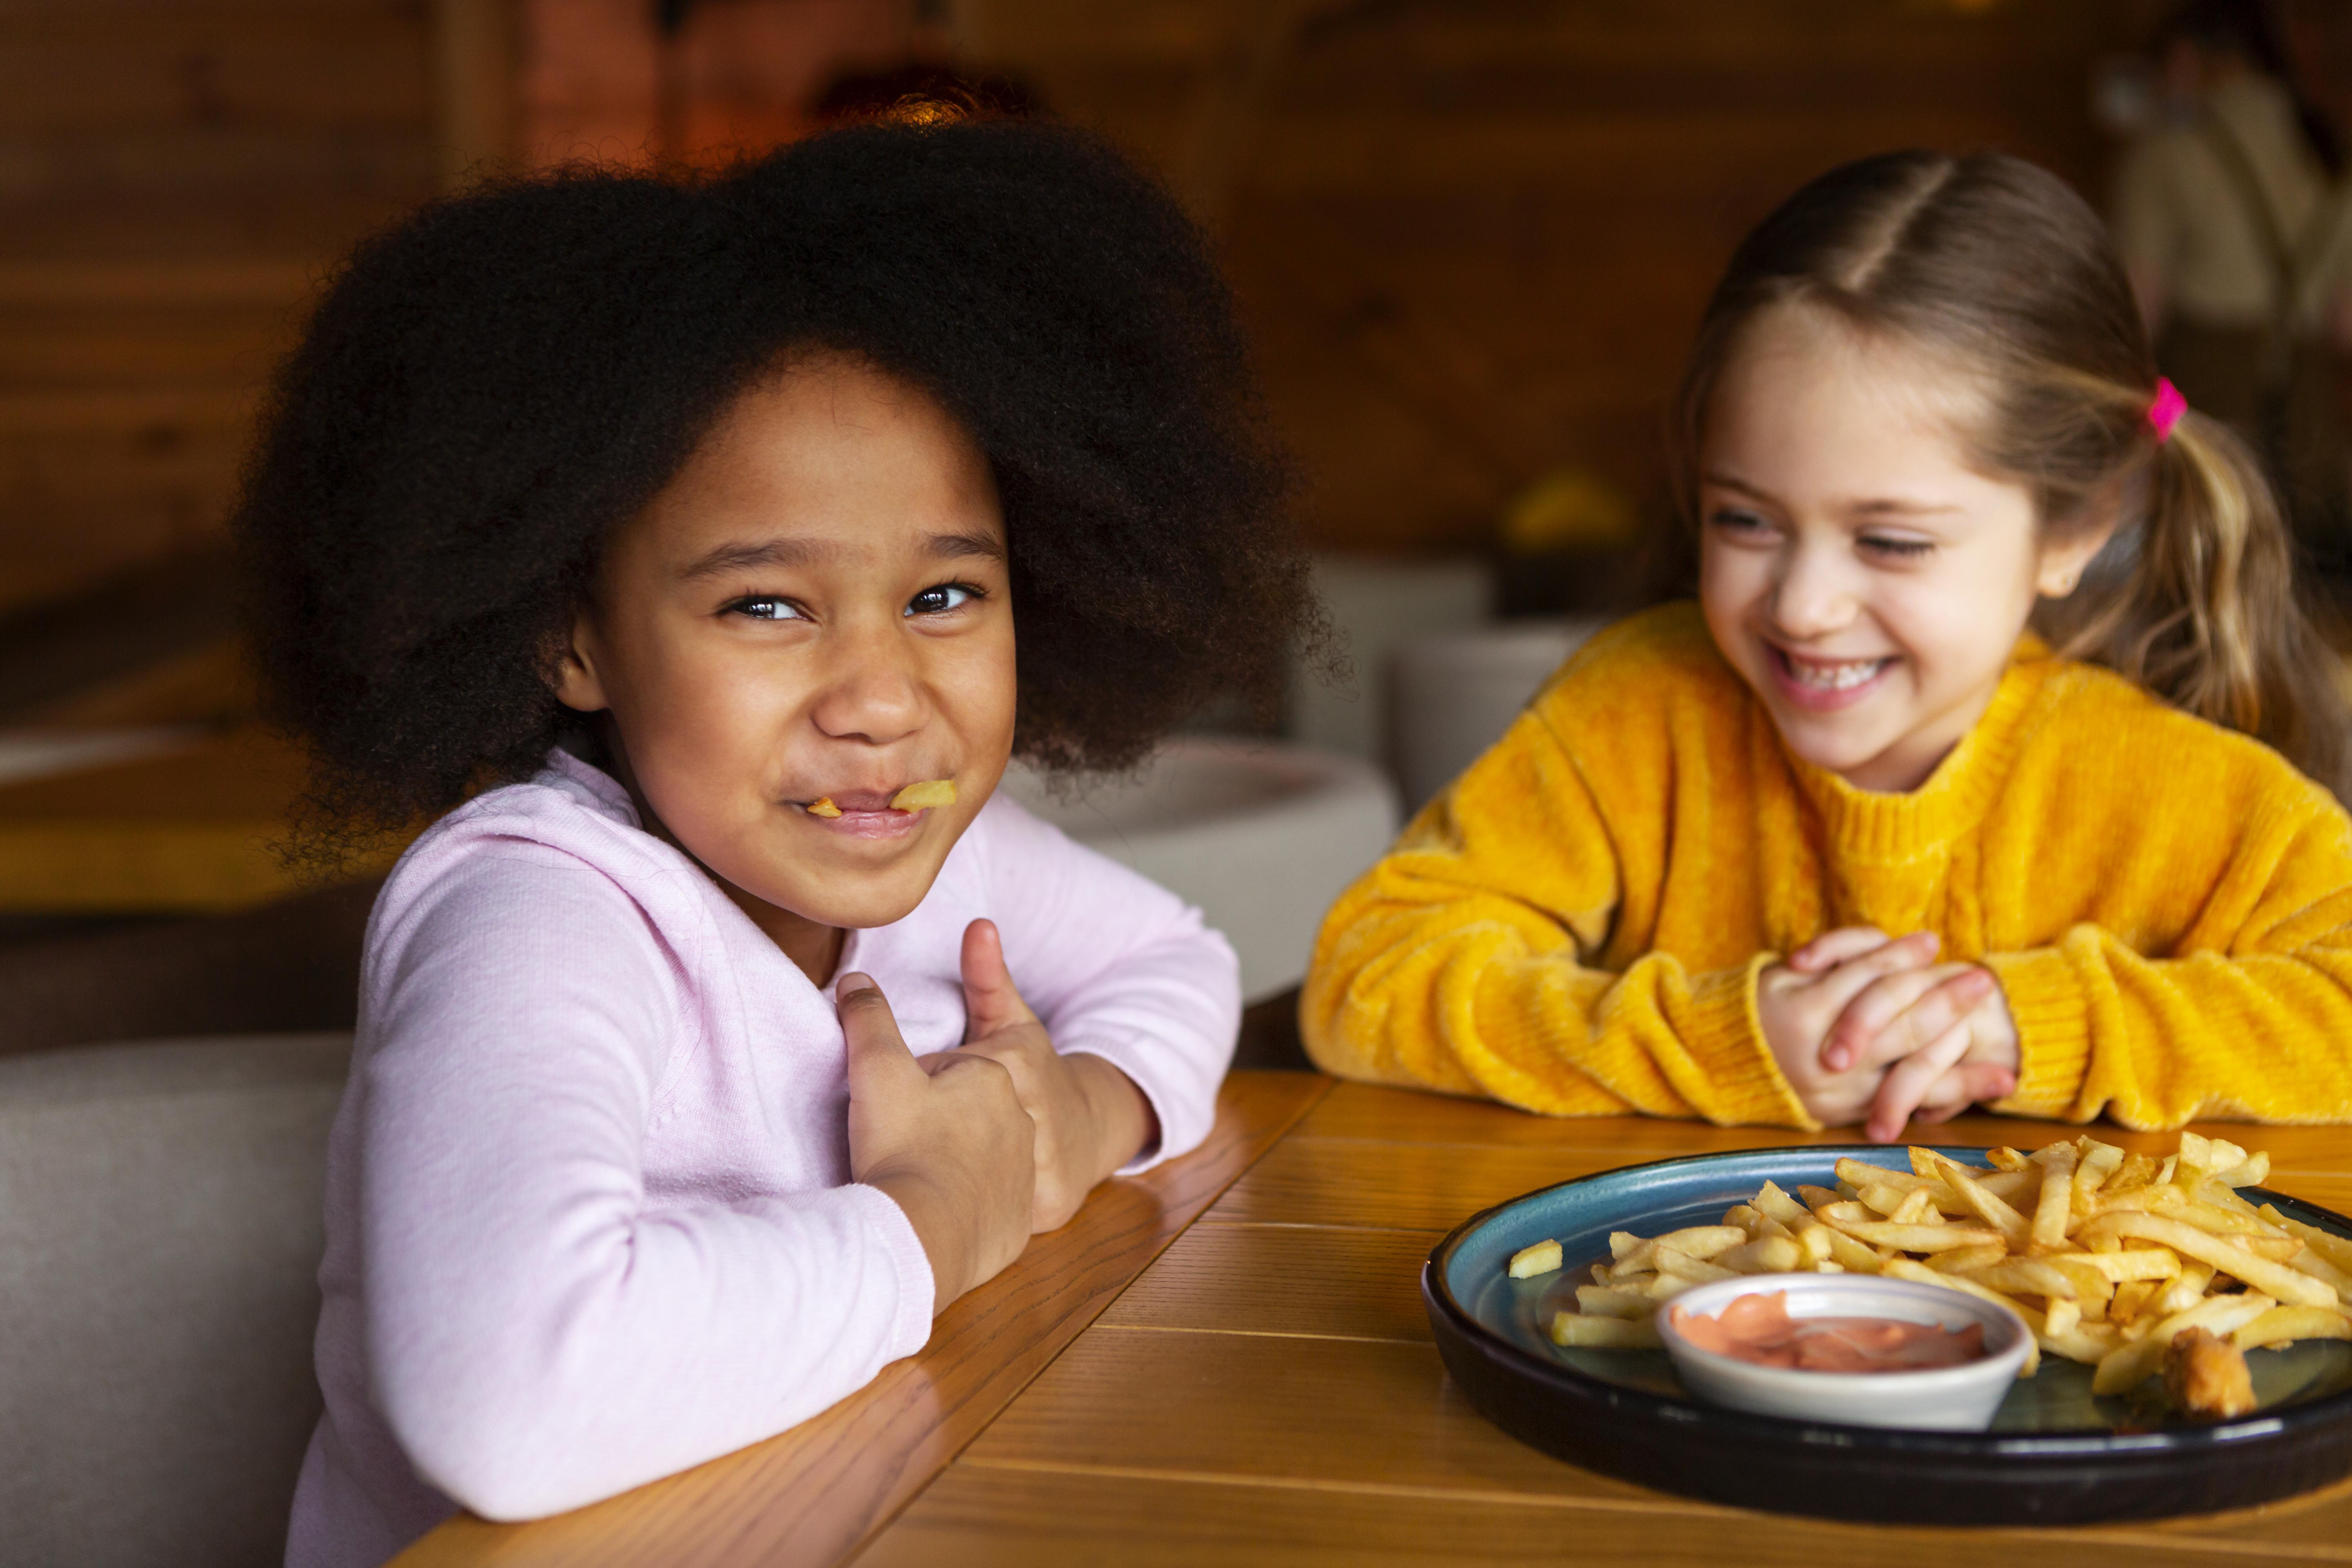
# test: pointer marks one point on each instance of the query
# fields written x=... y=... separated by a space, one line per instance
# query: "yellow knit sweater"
x=1577 y=925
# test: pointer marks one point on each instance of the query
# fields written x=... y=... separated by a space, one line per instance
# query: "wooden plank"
x=1358 y=1411
x=1412 y=1115
x=813 y=1493
x=996 y=1516
x=1280 y=1279
x=1437 y=1186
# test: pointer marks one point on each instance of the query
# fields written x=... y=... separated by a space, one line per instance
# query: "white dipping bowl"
x=1941 y=1399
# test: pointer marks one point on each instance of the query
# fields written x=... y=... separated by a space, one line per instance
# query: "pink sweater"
x=588 y=1218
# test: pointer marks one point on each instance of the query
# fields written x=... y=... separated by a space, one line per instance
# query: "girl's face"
x=1855 y=571
x=817 y=605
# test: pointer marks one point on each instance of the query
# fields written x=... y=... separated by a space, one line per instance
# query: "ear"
x=2065 y=559
x=577 y=683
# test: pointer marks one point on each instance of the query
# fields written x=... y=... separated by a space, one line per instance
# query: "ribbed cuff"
x=1181 y=1125
x=918 y=1291
x=2054 y=1030
x=1724 y=1039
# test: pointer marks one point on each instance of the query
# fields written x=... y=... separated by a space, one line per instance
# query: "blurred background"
x=1470 y=239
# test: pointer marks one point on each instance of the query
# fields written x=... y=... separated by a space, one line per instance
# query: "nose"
x=1813 y=592
x=872 y=690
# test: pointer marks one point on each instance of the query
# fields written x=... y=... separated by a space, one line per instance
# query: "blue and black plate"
x=2056 y=1454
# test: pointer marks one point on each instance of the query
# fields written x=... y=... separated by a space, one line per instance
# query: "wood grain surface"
x=811 y=1494
x=1267 y=1392
x=1228 y=1362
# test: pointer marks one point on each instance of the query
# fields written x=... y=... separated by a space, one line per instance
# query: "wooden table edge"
x=771 y=1502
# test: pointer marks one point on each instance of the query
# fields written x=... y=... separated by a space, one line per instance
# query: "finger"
x=1902 y=1013
x=1907 y=1083
x=1963 y=1086
x=1831 y=948
x=877 y=1052
x=990 y=1000
x=1841 y=985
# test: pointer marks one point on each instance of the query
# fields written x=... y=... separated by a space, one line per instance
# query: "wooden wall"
x=171 y=174
x=1471 y=236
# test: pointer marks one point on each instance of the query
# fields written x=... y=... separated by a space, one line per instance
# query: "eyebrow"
x=1876 y=507
x=743 y=556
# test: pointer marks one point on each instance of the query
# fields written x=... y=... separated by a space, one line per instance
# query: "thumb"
x=990 y=1001
x=879 y=1056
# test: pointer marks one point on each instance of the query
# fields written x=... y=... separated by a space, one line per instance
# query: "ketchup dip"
x=1758 y=1328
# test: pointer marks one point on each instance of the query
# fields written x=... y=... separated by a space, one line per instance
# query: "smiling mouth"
x=1827 y=675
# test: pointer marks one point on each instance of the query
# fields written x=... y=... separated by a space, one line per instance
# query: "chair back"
x=160 y=1234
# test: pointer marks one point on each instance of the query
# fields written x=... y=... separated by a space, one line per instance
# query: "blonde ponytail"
x=2206 y=615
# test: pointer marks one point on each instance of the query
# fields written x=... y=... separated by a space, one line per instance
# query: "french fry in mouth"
x=924 y=795
x=821 y=806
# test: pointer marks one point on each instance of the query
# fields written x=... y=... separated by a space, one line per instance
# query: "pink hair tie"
x=2165 y=411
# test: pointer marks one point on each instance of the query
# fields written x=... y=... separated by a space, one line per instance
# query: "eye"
x=1736 y=521
x=941 y=597
x=766 y=608
x=1879 y=544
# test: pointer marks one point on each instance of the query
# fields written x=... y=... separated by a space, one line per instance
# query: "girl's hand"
x=1974 y=1058
x=1939 y=1035
x=1090 y=1118
x=945 y=1137
x=1800 y=1001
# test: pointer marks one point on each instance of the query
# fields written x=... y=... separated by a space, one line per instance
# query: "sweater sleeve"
x=1118 y=967
x=1462 y=961
x=2251 y=1019
x=540 y=1333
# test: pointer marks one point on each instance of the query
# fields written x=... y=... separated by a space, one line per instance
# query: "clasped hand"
x=1872 y=1029
x=984 y=1145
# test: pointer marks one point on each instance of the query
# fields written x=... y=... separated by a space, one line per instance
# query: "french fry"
x=2182 y=1291
x=2307 y=1262
x=2059 y=1319
x=2224 y=1254
x=1966 y=1259
x=2131 y=1297
x=1851 y=1255
x=2055 y=1207
x=1703 y=1241
x=1609 y=1301
x=2018 y=1189
x=1917 y=1238
x=1818 y=1198
x=1916 y=1209
x=2092 y=1289
x=1542 y=1258
x=1683 y=1266
x=2282 y=1324
x=1575 y=1330
x=1771 y=1199
x=2008 y=1159
x=2096 y=1162
x=1987 y=1205
x=2250 y=1172
x=2335 y=1249
x=1769 y=1254
x=2220 y=1221
x=1860 y=1175
x=2137 y=1170
x=2028 y=1277
x=2143 y=1263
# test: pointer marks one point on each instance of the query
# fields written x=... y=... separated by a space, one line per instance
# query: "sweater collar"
x=1874 y=825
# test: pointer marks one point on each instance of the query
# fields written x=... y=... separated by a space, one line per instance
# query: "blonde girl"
x=1996 y=761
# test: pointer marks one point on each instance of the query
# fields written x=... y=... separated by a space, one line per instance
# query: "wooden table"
x=1226 y=1361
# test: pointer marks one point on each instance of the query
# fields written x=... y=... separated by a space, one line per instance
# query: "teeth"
x=1834 y=677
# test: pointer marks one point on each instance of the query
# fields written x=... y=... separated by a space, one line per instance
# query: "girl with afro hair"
x=671 y=543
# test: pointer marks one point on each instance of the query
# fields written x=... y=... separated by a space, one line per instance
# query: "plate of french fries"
x=2185 y=1319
